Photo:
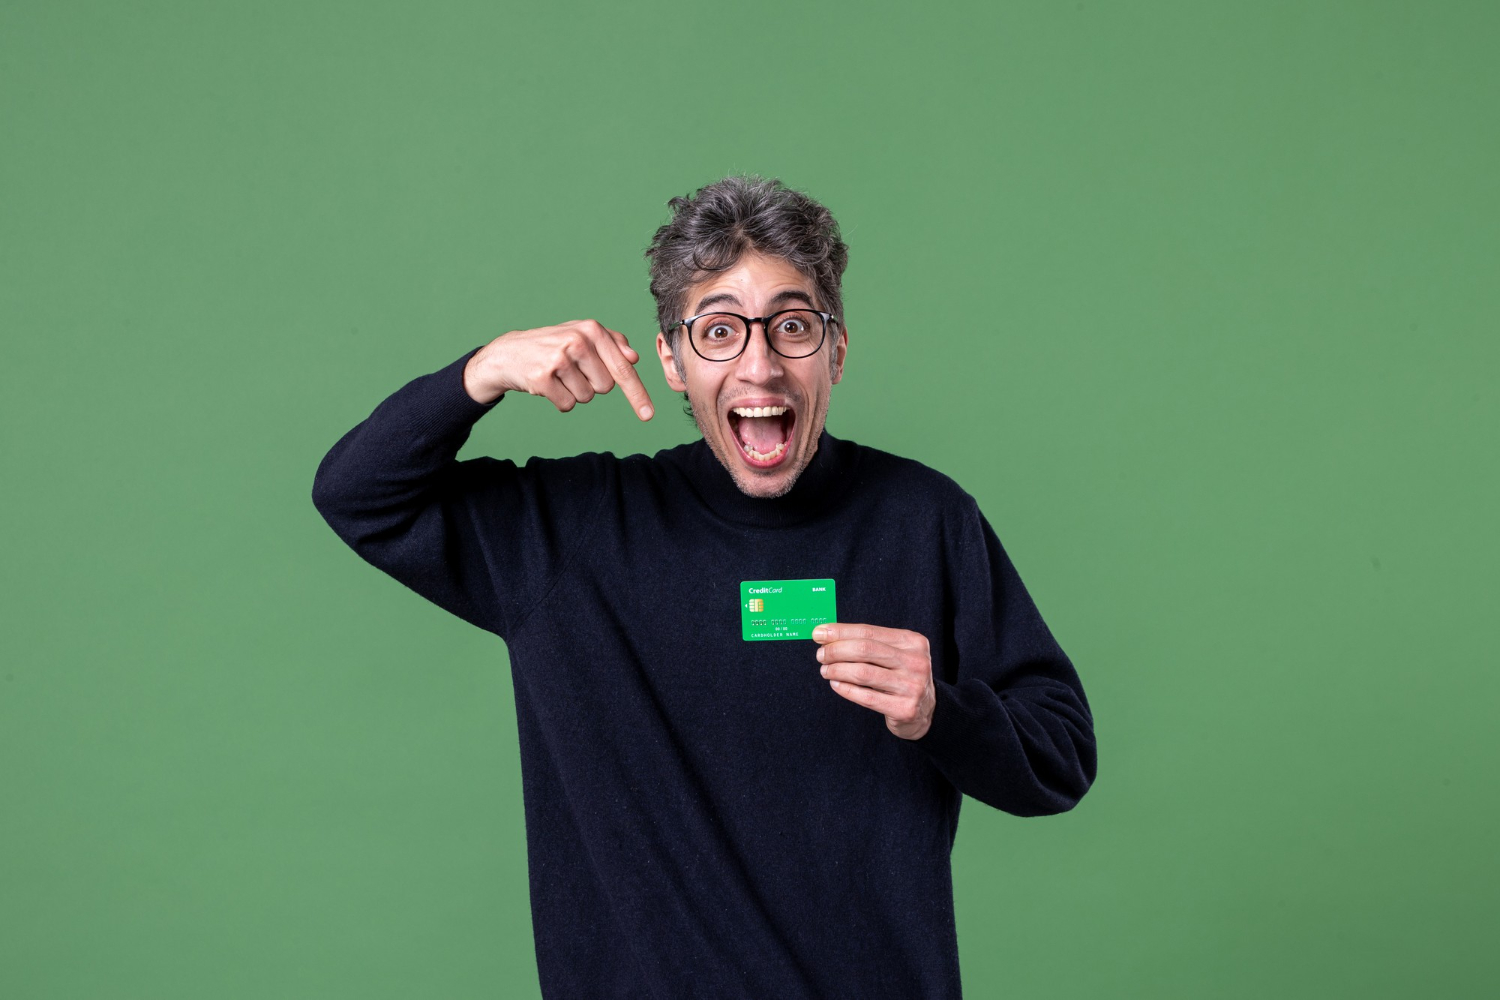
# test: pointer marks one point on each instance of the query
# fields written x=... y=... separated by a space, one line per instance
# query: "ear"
x=840 y=351
x=668 y=363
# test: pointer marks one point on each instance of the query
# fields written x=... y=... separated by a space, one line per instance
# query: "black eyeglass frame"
x=765 y=328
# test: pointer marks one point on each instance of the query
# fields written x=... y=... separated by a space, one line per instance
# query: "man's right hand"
x=568 y=364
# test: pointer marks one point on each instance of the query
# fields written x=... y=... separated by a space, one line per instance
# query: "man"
x=707 y=813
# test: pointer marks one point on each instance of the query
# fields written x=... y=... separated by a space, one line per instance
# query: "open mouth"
x=763 y=433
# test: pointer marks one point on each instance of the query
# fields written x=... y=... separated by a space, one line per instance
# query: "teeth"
x=759 y=411
x=774 y=452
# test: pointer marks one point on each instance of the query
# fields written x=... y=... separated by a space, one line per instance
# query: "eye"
x=796 y=327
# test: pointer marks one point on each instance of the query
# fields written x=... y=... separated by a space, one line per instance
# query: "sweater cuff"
x=950 y=737
x=448 y=405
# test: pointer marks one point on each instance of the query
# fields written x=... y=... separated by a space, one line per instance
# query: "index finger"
x=625 y=375
x=624 y=343
x=837 y=631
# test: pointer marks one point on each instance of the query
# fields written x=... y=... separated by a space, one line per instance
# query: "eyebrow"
x=729 y=298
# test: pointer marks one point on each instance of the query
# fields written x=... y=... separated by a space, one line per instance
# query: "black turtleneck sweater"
x=705 y=817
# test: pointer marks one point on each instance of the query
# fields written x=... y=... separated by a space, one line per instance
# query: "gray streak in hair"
x=714 y=226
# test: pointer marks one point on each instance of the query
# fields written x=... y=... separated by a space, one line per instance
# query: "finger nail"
x=823 y=671
x=820 y=654
x=646 y=412
x=820 y=633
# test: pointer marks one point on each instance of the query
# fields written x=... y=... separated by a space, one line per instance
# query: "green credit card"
x=785 y=609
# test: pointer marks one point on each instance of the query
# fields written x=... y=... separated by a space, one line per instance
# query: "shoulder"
x=591 y=468
x=587 y=465
x=907 y=479
x=572 y=478
x=604 y=466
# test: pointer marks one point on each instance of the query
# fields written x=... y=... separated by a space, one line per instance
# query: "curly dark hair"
x=711 y=228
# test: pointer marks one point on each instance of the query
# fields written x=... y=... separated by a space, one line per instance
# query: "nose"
x=759 y=364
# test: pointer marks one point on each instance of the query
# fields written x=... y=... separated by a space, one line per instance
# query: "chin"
x=765 y=487
x=760 y=440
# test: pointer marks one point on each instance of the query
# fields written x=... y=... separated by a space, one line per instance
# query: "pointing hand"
x=569 y=364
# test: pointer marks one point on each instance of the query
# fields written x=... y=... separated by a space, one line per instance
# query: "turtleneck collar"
x=826 y=479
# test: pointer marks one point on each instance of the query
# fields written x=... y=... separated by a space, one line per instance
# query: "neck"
x=817 y=487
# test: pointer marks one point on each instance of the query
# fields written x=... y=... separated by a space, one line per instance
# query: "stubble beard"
x=736 y=472
x=742 y=479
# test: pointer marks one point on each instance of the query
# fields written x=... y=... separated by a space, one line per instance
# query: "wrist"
x=478 y=383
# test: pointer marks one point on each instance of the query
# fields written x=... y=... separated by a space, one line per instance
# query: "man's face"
x=766 y=454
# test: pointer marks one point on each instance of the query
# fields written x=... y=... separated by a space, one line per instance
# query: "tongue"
x=761 y=433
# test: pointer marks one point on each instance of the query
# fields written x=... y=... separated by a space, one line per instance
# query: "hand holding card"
x=887 y=670
x=785 y=609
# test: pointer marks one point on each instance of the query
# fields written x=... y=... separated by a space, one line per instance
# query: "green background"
x=1198 y=300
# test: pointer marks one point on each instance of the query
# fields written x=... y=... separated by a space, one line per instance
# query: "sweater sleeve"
x=480 y=538
x=1012 y=727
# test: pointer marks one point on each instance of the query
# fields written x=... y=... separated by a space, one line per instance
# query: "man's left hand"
x=888 y=670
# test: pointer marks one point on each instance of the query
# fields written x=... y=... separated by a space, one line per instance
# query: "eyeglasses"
x=791 y=333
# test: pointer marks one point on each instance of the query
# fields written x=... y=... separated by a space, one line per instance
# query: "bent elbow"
x=329 y=492
x=1066 y=799
x=323 y=497
x=1061 y=788
x=325 y=502
x=332 y=500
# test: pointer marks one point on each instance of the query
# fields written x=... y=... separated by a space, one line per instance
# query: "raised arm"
x=481 y=538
